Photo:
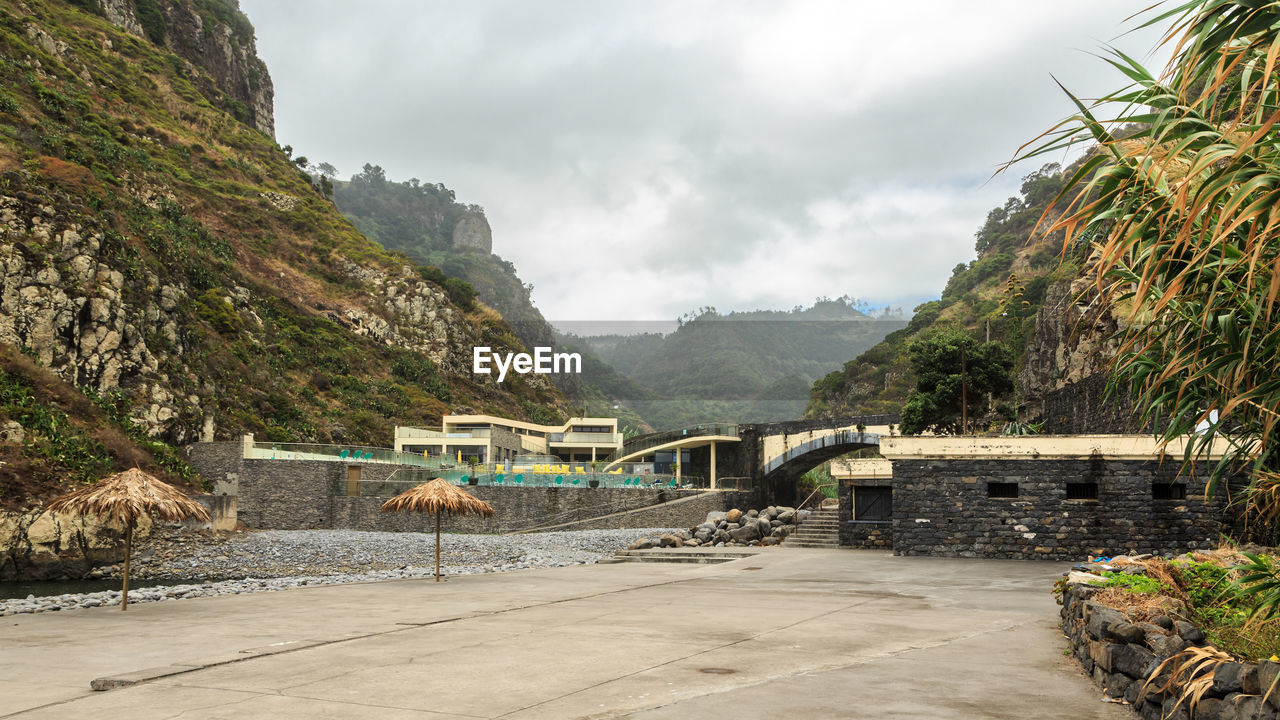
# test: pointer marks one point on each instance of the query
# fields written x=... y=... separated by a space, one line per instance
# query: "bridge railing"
x=841 y=437
x=640 y=442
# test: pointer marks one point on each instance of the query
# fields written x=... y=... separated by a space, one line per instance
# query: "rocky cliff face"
x=156 y=253
x=219 y=47
x=472 y=233
x=1073 y=341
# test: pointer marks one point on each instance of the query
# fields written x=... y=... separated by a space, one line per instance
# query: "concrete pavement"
x=786 y=633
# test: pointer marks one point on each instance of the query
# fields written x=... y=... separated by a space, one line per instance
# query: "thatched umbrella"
x=435 y=496
x=125 y=497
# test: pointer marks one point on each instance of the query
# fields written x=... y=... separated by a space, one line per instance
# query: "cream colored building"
x=490 y=439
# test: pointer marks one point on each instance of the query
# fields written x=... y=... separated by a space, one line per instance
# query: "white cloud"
x=641 y=159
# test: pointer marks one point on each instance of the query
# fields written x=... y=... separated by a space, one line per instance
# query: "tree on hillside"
x=946 y=362
x=1181 y=201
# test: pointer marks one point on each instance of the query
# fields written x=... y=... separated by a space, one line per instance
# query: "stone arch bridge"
x=775 y=454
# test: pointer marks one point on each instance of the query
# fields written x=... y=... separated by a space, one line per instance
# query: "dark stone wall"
x=941 y=508
x=217 y=462
x=1084 y=408
x=288 y=494
x=1127 y=661
x=526 y=508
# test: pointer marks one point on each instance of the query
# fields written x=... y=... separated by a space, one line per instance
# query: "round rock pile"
x=735 y=527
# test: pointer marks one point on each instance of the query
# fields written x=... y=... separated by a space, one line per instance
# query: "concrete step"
x=684 y=555
x=808 y=544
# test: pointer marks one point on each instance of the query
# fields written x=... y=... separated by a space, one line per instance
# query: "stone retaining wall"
x=943 y=508
x=1122 y=657
x=305 y=494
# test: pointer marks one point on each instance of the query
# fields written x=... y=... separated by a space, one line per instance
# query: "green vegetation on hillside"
x=995 y=295
x=1181 y=198
x=211 y=225
x=740 y=367
x=419 y=219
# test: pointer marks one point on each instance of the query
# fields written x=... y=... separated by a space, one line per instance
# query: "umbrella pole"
x=128 y=552
x=437 y=546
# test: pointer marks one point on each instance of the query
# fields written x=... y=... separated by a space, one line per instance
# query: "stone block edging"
x=1121 y=657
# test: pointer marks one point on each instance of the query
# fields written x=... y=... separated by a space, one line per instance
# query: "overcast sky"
x=637 y=160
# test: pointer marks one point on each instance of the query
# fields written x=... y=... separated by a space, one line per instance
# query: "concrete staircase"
x=820 y=530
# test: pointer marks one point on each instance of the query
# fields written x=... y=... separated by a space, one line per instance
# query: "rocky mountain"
x=427 y=223
x=997 y=296
x=163 y=258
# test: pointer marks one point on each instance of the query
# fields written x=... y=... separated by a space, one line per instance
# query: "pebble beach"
x=268 y=560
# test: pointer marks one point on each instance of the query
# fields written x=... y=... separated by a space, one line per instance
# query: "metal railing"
x=337 y=453
x=487 y=475
x=640 y=442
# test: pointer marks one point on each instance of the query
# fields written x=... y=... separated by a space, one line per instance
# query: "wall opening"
x=1082 y=491
x=1168 y=491
x=1002 y=489
x=873 y=503
x=353 y=481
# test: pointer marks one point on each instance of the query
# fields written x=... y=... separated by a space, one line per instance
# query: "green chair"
x=577 y=481
x=626 y=483
x=464 y=479
x=519 y=478
x=498 y=479
x=559 y=479
x=344 y=454
x=674 y=482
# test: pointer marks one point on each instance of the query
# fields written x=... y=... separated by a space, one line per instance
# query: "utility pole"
x=964 y=393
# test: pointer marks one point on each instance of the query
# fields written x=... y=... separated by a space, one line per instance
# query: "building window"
x=1168 y=491
x=873 y=503
x=1082 y=491
x=353 y=481
x=1002 y=489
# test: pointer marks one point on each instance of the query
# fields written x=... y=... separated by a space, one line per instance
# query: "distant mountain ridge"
x=752 y=366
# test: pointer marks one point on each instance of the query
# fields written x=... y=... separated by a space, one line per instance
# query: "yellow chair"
x=580 y=470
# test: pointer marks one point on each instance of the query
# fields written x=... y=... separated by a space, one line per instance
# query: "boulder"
x=1098 y=618
x=753 y=513
x=746 y=533
x=762 y=524
x=1226 y=678
x=704 y=533
x=733 y=516
x=670 y=540
x=769 y=541
x=641 y=544
x=1133 y=660
x=786 y=516
x=692 y=542
x=770 y=512
x=1189 y=632
x=1165 y=646
x=1126 y=632
x=715 y=516
x=722 y=536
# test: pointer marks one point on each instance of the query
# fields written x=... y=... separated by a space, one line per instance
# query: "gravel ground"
x=277 y=559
